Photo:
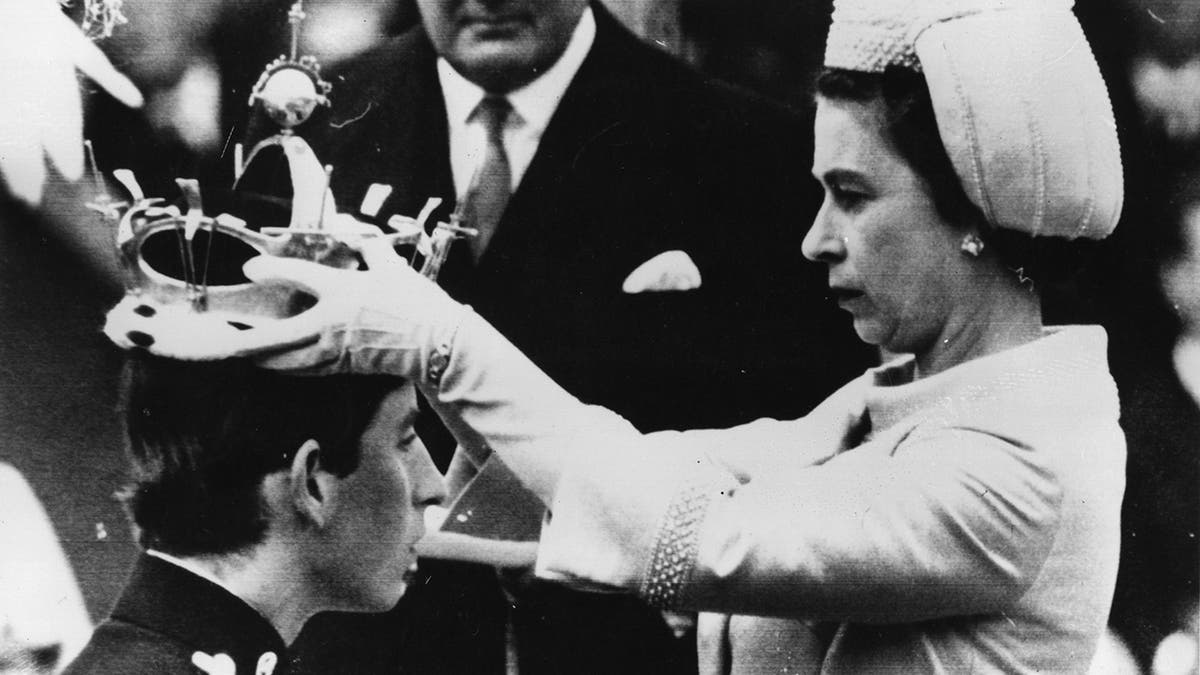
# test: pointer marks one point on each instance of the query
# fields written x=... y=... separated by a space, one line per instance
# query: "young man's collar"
x=189 y=566
x=183 y=604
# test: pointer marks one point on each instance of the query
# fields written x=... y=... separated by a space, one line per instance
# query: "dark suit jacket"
x=642 y=156
x=1158 y=582
x=164 y=615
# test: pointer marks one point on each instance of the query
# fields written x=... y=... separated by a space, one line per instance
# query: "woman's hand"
x=387 y=319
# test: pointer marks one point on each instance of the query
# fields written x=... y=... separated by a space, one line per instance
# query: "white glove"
x=492 y=397
x=388 y=319
x=40 y=50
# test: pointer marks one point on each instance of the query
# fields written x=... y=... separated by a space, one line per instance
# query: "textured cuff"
x=438 y=360
x=674 y=555
x=439 y=357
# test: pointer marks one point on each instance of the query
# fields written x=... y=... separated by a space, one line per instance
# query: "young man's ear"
x=311 y=487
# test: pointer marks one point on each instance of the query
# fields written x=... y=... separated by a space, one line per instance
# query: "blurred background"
x=196 y=62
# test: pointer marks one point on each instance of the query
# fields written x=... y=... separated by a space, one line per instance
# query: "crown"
x=182 y=267
x=291 y=88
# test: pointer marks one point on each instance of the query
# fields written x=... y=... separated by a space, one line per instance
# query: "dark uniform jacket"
x=642 y=156
x=165 y=615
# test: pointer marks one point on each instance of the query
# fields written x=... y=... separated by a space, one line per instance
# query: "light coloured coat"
x=963 y=522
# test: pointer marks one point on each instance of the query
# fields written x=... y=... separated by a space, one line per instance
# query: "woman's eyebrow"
x=839 y=176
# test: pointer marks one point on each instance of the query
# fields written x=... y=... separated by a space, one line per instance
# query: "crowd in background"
x=195 y=63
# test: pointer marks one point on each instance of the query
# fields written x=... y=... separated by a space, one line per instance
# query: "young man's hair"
x=202 y=436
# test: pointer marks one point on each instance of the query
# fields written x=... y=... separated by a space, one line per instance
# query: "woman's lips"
x=845 y=295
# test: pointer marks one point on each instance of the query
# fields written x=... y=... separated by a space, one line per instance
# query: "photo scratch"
x=352 y=120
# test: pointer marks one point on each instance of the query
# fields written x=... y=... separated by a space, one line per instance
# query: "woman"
x=955 y=509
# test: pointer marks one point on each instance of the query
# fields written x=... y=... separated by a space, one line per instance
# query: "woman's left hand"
x=387 y=319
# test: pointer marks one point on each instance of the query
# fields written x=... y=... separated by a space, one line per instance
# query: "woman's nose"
x=824 y=242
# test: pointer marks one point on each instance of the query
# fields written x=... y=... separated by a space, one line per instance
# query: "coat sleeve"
x=493 y=398
x=771 y=518
x=946 y=523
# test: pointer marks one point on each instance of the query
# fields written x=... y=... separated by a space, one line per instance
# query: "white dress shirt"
x=533 y=106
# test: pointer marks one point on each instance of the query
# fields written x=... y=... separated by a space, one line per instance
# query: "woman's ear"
x=311 y=486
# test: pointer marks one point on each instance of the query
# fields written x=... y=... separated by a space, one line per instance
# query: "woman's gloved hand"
x=392 y=320
x=386 y=319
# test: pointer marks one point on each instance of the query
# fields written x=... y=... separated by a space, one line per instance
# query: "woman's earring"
x=972 y=245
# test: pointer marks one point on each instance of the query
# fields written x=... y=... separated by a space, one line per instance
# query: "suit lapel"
x=416 y=119
x=399 y=106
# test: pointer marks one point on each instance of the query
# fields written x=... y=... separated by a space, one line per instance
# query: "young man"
x=260 y=500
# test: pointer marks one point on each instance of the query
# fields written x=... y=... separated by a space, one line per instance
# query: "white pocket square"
x=667 y=271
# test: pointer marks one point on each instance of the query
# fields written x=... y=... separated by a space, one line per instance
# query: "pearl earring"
x=972 y=245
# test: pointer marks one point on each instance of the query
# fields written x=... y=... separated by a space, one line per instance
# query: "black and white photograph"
x=539 y=337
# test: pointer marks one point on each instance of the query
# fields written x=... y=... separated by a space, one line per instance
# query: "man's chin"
x=511 y=30
x=496 y=64
x=869 y=331
x=383 y=601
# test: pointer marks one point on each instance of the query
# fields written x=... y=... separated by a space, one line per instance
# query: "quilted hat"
x=1020 y=104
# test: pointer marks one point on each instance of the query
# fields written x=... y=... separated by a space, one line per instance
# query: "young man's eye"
x=406 y=441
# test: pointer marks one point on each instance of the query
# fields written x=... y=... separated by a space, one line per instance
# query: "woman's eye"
x=406 y=441
x=847 y=198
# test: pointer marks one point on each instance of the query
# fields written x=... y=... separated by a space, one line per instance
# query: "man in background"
x=639 y=231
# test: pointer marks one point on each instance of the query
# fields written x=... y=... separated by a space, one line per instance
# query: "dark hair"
x=201 y=437
x=910 y=125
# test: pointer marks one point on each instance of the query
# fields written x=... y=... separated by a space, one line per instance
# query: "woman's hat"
x=1020 y=104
